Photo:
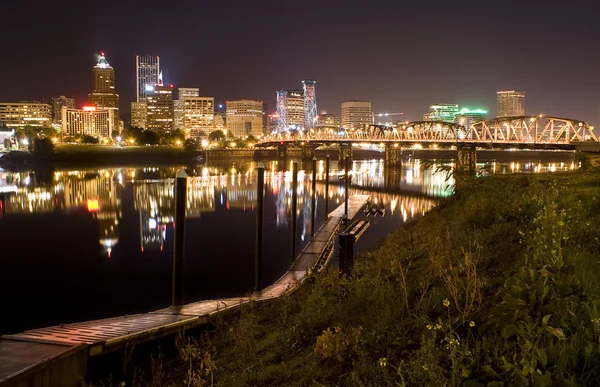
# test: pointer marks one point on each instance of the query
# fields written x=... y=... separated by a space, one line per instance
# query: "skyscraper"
x=356 y=114
x=178 y=105
x=159 y=105
x=244 y=118
x=139 y=112
x=198 y=116
x=511 y=103
x=310 y=104
x=147 y=72
x=290 y=109
x=104 y=95
x=444 y=112
x=57 y=105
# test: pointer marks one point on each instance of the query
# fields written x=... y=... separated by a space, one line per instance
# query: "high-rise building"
x=178 y=104
x=139 y=111
x=310 y=104
x=356 y=114
x=21 y=114
x=57 y=105
x=89 y=121
x=244 y=118
x=467 y=117
x=265 y=109
x=328 y=120
x=511 y=103
x=104 y=95
x=198 y=116
x=290 y=109
x=159 y=107
x=147 y=72
x=442 y=112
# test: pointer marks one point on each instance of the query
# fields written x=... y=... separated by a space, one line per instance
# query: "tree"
x=190 y=144
x=217 y=135
x=87 y=139
x=148 y=137
x=43 y=147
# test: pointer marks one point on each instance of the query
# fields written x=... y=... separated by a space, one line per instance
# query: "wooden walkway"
x=28 y=355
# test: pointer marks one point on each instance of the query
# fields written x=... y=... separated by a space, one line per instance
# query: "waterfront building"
x=356 y=114
x=182 y=92
x=466 y=117
x=444 y=112
x=510 y=103
x=330 y=120
x=290 y=109
x=104 y=96
x=198 y=116
x=89 y=121
x=21 y=114
x=159 y=108
x=147 y=72
x=139 y=114
x=57 y=105
x=244 y=118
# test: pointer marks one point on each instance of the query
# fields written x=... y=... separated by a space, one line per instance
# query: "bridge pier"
x=393 y=156
x=282 y=157
x=344 y=154
x=308 y=152
x=466 y=160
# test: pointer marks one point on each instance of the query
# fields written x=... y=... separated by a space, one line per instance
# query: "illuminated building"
x=444 y=112
x=138 y=114
x=290 y=109
x=328 y=120
x=104 y=95
x=356 y=114
x=21 y=114
x=159 y=105
x=57 y=105
x=182 y=92
x=244 y=118
x=310 y=104
x=89 y=121
x=265 y=109
x=147 y=72
x=467 y=117
x=198 y=116
x=511 y=103
x=6 y=137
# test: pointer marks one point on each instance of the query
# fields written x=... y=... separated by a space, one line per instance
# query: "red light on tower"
x=102 y=53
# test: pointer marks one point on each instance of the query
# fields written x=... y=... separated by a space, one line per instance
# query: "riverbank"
x=499 y=284
x=81 y=156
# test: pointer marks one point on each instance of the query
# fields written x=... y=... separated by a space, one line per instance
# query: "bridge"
x=524 y=132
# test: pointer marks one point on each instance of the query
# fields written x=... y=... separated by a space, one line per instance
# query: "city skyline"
x=399 y=72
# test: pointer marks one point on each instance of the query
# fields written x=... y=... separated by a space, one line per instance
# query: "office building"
x=89 y=121
x=328 y=120
x=310 y=104
x=511 y=103
x=182 y=92
x=198 y=116
x=104 y=96
x=265 y=109
x=467 y=117
x=244 y=118
x=159 y=108
x=139 y=112
x=356 y=114
x=290 y=109
x=57 y=105
x=147 y=72
x=21 y=114
x=442 y=112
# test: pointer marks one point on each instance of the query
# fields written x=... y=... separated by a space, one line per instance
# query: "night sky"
x=401 y=55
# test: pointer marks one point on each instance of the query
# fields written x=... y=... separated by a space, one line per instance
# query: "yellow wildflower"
x=472 y=324
x=446 y=303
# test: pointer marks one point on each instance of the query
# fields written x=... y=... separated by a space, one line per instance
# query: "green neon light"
x=472 y=111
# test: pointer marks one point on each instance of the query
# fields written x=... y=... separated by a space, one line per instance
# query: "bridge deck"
x=28 y=350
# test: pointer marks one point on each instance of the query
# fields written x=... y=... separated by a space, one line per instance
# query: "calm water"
x=85 y=244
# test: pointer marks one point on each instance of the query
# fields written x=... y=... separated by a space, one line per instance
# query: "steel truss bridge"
x=533 y=132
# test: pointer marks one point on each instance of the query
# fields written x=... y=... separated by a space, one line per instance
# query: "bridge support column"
x=393 y=156
x=344 y=154
x=282 y=157
x=466 y=160
x=308 y=152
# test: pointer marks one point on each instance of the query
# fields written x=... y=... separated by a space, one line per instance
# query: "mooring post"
x=314 y=197
x=180 y=204
x=294 y=207
x=346 y=187
x=259 y=227
x=326 y=186
x=346 y=249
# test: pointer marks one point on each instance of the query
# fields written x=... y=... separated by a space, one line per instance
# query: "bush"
x=43 y=147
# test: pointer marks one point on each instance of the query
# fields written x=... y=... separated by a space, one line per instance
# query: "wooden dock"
x=57 y=356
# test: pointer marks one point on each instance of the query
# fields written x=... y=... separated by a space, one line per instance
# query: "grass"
x=94 y=149
x=497 y=286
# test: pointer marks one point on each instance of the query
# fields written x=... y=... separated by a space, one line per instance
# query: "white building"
x=89 y=121
x=356 y=114
x=21 y=114
x=198 y=116
x=244 y=118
